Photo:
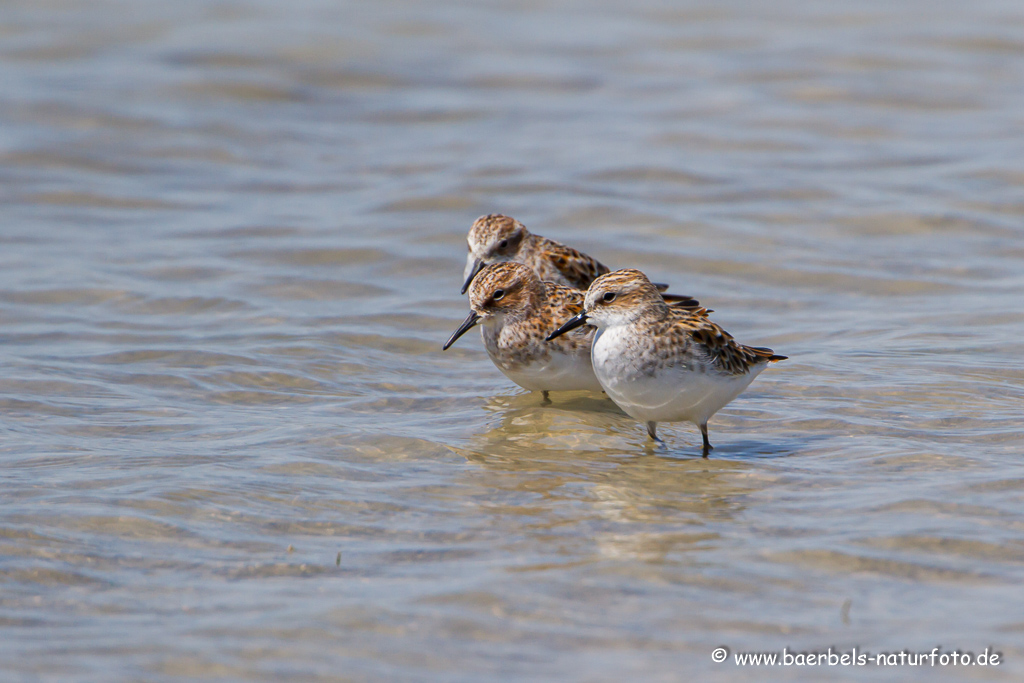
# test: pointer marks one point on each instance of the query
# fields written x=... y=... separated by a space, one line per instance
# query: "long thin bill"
x=570 y=324
x=465 y=327
x=478 y=265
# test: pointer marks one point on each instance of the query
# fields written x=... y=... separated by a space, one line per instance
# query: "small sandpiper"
x=662 y=363
x=516 y=312
x=496 y=238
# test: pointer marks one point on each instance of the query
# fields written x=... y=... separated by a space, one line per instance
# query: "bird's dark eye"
x=609 y=297
x=498 y=294
x=502 y=244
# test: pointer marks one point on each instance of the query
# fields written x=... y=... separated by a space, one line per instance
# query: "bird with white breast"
x=662 y=363
x=516 y=312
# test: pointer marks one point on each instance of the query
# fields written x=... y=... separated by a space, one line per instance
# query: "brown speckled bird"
x=516 y=312
x=661 y=363
x=496 y=238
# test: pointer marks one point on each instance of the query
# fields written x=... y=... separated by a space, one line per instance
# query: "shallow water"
x=232 y=244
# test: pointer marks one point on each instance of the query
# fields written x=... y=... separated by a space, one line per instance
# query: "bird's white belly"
x=672 y=393
x=555 y=371
x=559 y=372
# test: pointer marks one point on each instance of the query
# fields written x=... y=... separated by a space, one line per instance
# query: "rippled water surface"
x=231 y=247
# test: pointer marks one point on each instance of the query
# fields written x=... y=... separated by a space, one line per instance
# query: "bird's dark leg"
x=652 y=429
x=547 y=399
x=707 y=444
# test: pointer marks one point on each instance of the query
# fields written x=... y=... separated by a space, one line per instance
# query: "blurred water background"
x=231 y=247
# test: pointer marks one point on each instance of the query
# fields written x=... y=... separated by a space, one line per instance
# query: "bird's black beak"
x=478 y=265
x=466 y=325
x=570 y=324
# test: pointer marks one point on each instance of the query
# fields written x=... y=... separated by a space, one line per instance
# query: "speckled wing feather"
x=575 y=268
x=555 y=262
x=694 y=337
x=687 y=303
